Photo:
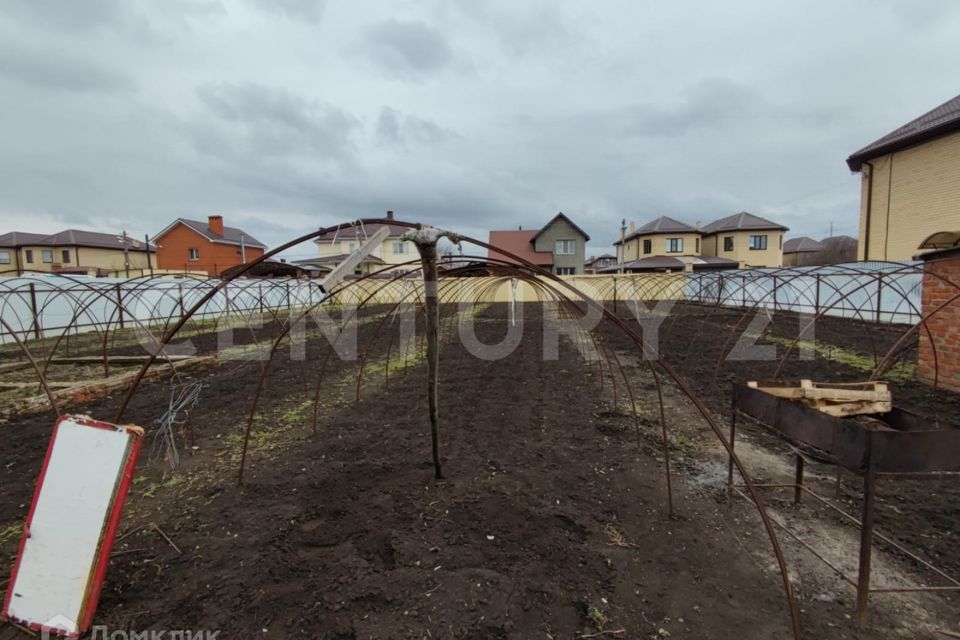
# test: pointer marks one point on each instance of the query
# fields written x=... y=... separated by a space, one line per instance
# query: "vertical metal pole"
x=119 y=303
x=614 y=294
x=866 y=535
x=816 y=298
x=879 y=291
x=798 y=481
x=428 y=260
x=146 y=237
x=180 y=289
x=33 y=310
x=733 y=435
x=126 y=254
x=775 y=293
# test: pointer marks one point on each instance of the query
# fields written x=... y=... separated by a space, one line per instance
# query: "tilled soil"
x=550 y=521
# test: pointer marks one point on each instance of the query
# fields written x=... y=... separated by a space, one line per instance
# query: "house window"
x=565 y=247
x=47 y=255
x=4 y=257
x=29 y=253
x=647 y=246
x=566 y=271
x=193 y=254
x=352 y=247
x=65 y=256
x=728 y=243
x=400 y=249
x=697 y=240
x=758 y=243
x=781 y=241
x=674 y=245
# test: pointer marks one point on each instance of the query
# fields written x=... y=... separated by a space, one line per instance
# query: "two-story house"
x=748 y=239
x=667 y=244
x=390 y=255
x=557 y=246
x=192 y=245
x=661 y=237
x=75 y=251
x=909 y=186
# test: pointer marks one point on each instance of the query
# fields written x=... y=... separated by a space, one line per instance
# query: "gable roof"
x=231 y=235
x=803 y=244
x=937 y=122
x=73 y=238
x=519 y=243
x=742 y=221
x=561 y=216
x=350 y=232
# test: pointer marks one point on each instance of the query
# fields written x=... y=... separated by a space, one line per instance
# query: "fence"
x=875 y=292
x=40 y=306
x=35 y=306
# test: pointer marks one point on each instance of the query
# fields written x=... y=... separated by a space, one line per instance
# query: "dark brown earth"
x=550 y=523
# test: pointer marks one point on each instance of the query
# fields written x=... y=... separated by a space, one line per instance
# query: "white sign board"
x=69 y=531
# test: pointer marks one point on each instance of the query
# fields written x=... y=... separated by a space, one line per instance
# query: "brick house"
x=909 y=186
x=191 y=245
x=941 y=283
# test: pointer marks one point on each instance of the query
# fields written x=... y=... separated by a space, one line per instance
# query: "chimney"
x=216 y=224
x=632 y=226
x=698 y=225
x=389 y=215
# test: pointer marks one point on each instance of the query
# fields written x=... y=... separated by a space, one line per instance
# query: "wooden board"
x=69 y=531
x=836 y=399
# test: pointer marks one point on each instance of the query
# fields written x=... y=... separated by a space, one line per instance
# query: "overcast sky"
x=285 y=116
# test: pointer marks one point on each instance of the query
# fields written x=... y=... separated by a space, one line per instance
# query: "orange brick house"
x=191 y=245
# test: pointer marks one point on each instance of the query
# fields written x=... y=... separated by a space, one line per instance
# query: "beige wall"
x=643 y=286
x=385 y=251
x=915 y=193
x=88 y=257
x=658 y=245
x=772 y=256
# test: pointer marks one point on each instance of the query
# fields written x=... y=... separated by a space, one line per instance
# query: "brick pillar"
x=944 y=325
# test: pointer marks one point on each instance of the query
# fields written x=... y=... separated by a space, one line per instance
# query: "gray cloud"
x=306 y=10
x=400 y=130
x=255 y=120
x=405 y=49
x=66 y=16
x=60 y=70
x=473 y=116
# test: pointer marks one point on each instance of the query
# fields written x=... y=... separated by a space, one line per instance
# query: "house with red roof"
x=558 y=246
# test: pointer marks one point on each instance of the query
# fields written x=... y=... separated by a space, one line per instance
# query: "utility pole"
x=146 y=238
x=243 y=250
x=126 y=254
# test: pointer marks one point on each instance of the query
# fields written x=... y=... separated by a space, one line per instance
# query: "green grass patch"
x=900 y=372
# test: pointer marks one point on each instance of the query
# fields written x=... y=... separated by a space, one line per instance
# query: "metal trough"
x=894 y=442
